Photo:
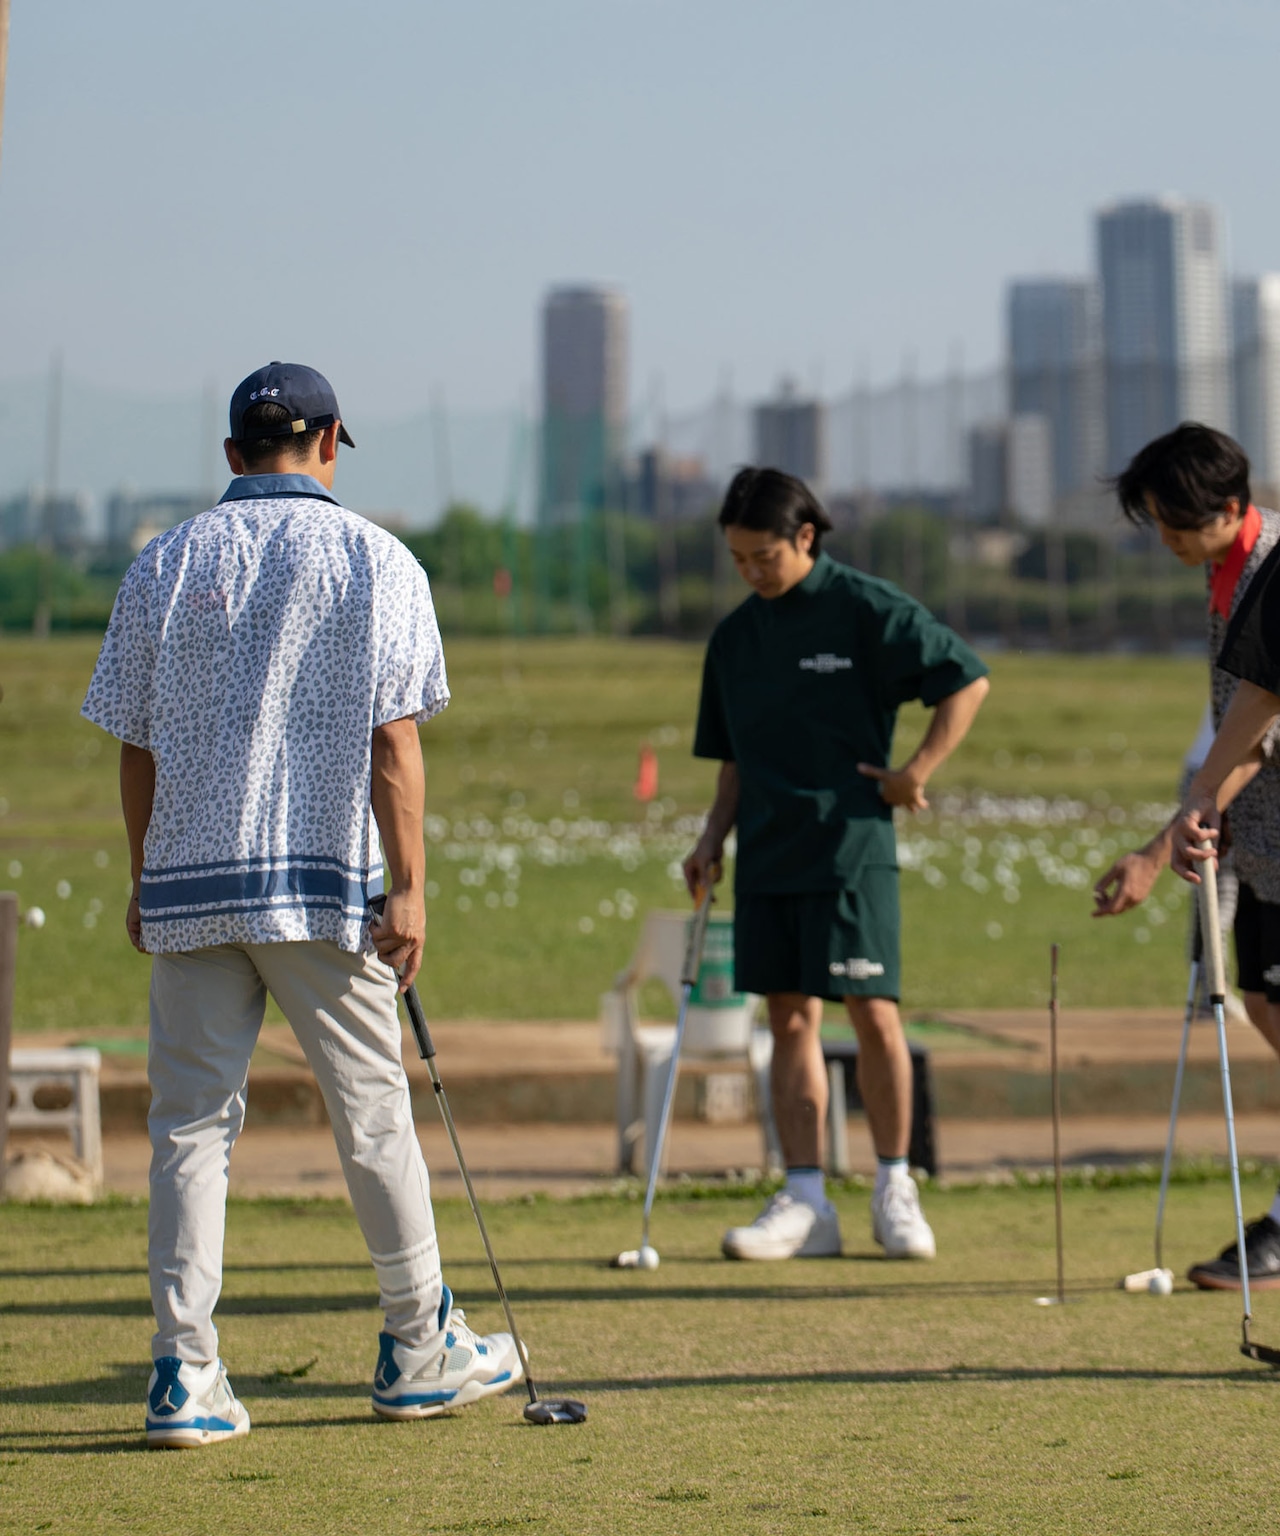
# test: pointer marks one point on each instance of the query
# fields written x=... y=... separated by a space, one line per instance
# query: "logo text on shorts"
x=825 y=662
x=856 y=970
x=1272 y=975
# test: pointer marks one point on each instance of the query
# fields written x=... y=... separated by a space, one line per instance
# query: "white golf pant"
x=206 y=1010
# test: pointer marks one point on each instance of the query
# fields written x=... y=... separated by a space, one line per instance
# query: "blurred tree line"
x=612 y=573
x=628 y=575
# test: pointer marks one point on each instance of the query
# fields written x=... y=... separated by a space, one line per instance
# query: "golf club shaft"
x=1212 y=929
x=1057 y=1115
x=427 y=1050
x=688 y=980
x=1193 y=988
x=668 y=1095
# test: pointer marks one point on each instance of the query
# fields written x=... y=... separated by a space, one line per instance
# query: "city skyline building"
x=1054 y=352
x=132 y=519
x=57 y=521
x=1255 y=323
x=667 y=486
x=789 y=433
x=1011 y=471
x=1165 y=327
x=988 y=456
x=585 y=398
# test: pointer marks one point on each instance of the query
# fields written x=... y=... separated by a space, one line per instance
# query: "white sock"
x=807 y=1185
x=1274 y=1212
x=891 y=1170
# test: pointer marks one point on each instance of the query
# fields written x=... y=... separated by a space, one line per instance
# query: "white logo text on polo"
x=856 y=970
x=825 y=662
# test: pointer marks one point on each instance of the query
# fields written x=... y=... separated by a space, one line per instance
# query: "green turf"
x=542 y=863
x=841 y=1395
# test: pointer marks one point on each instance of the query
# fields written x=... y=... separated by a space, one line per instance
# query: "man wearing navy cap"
x=266 y=668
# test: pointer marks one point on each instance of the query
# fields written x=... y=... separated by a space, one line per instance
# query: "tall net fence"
x=910 y=435
x=71 y=436
x=952 y=487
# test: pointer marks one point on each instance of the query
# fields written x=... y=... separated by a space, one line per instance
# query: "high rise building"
x=1030 y=469
x=1166 y=341
x=989 y=470
x=1255 y=325
x=790 y=434
x=1055 y=371
x=584 y=398
x=1011 y=470
x=133 y=519
x=33 y=517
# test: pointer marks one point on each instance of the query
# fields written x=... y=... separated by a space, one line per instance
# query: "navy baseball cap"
x=305 y=394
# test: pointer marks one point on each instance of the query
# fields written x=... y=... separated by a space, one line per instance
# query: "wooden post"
x=8 y=969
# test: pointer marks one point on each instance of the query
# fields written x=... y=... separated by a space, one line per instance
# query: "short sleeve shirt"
x=1246 y=647
x=797 y=691
x=253 y=650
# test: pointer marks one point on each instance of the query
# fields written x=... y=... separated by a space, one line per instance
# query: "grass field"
x=821 y=1396
x=542 y=863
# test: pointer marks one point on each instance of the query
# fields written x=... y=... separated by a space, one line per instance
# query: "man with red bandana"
x=1193 y=485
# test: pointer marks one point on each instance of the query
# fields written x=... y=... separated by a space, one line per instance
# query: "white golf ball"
x=648 y=1258
x=35 y=917
x=1161 y=1283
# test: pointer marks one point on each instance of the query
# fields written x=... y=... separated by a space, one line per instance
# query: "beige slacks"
x=207 y=1007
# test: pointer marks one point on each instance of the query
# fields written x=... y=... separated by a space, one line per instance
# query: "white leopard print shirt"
x=252 y=651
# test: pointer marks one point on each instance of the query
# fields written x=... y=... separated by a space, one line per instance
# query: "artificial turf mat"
x=833 y=1395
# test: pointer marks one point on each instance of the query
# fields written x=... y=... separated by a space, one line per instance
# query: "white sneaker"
x=190 y=1405
x=898 y=1224
x=418 y=1384
x=787 y=1228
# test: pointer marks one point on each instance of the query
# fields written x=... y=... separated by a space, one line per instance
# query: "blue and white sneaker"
x=418 y=1384
x=190 y=1405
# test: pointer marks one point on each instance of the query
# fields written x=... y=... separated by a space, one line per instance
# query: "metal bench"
x=57 y=1090
x=841 y=1057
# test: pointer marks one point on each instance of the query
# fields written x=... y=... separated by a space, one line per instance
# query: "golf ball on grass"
x=35 y=917
x=1148 y=1281
x=637 y=1258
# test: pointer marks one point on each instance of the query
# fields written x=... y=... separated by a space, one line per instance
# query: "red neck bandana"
x=1226 y=577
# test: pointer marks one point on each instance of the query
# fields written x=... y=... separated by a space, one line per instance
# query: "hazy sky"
x=386 y=190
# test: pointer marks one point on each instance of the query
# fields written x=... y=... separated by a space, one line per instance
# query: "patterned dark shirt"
x=1255 y=813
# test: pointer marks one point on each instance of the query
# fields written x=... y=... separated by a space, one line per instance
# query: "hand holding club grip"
x=412 y=1002
x=1211 y=927
x=697 y=937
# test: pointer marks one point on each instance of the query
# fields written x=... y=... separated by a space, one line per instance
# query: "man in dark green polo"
x=800 y=693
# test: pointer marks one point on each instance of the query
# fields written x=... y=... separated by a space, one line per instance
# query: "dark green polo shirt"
x=797 y=691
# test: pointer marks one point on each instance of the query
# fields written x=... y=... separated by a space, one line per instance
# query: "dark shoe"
x=1262 y=1250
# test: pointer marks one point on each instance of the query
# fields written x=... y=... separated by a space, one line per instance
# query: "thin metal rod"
x=668 y=1097
x=1211 y=924
x=1057 y=1114
x=688 y=978
x=1193 y=988
x=443 y=1102
x=427 y=1050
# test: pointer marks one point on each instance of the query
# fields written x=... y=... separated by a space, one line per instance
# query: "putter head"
x=1260 y=1352
x=556 y=1410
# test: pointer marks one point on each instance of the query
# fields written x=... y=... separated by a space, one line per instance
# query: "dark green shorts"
x=830 y=944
